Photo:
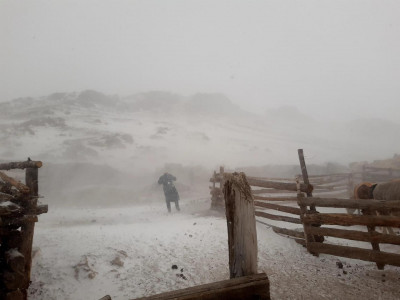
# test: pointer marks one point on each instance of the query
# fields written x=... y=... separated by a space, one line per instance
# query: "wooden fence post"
x=308 y=238
x=27 y=229
x=241 y=222
x=305 y=174
x=375 y=245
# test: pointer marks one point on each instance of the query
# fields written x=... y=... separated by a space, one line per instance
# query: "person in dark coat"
x=170 y=192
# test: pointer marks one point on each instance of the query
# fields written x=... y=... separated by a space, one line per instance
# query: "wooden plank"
x=242 y=234
x=6 y=221
x=357 y=253
x=21 y=165
x=275 y=198
x=285 y=186
x=5 y=197
x=287 y=209
x=268 y=191
x=289 y=232
x=301 y=242
x=42 y=209
x=246 y=287
x=10 y=209
x=304 y=171
x=348 y=220
x=18 y=185
x=355 y=235
x=351 y=203
x=277 y=217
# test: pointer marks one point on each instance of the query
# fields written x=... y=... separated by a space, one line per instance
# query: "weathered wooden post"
x=305 y=174
x=315 y=238
x=27 y=228
x=308 y=238
x=241 y=222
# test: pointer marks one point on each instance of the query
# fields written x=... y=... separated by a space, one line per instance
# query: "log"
x=277 y=217
x=279 y=185
x=289 y=232
x=374 y=244
x=15 y=260
x=5 y=197
x=275 y=198
x=355 y=235
x=308 y=237
x=18 y=221
x=18 y=185
x=305 y=176
x=242 y=235
x=246 y=287
x=351 y=203
x=357 y=253
x=267 y=191
x=42 y=209
x=348 y=220
x=14 y=280
x=287 y=209
x=32 y=181
x=10 y=209
x=21 y=165
x=301 y=242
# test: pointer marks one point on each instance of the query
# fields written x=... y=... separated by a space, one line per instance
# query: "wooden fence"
x=18 y=213
x=312 y=224
x=283 y=203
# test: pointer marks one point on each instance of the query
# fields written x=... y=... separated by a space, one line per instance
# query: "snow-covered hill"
x=133 y=138
x=154 y=128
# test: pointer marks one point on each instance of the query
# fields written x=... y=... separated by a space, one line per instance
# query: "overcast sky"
x=340 y=58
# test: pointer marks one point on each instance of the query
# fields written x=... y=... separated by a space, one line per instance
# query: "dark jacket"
x=170 y=192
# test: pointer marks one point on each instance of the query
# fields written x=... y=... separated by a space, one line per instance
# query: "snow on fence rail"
x=18 y=213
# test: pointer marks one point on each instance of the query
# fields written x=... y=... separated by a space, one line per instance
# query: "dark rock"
x=339 y=264
x=174 y=267
x=181 y=276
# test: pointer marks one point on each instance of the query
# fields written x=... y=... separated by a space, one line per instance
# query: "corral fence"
x=18 y=213
x=289 y=207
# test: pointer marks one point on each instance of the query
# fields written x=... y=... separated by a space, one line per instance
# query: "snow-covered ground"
x=128 y=252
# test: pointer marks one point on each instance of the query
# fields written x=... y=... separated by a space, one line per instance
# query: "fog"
x=139 y=87
x=331 y=59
